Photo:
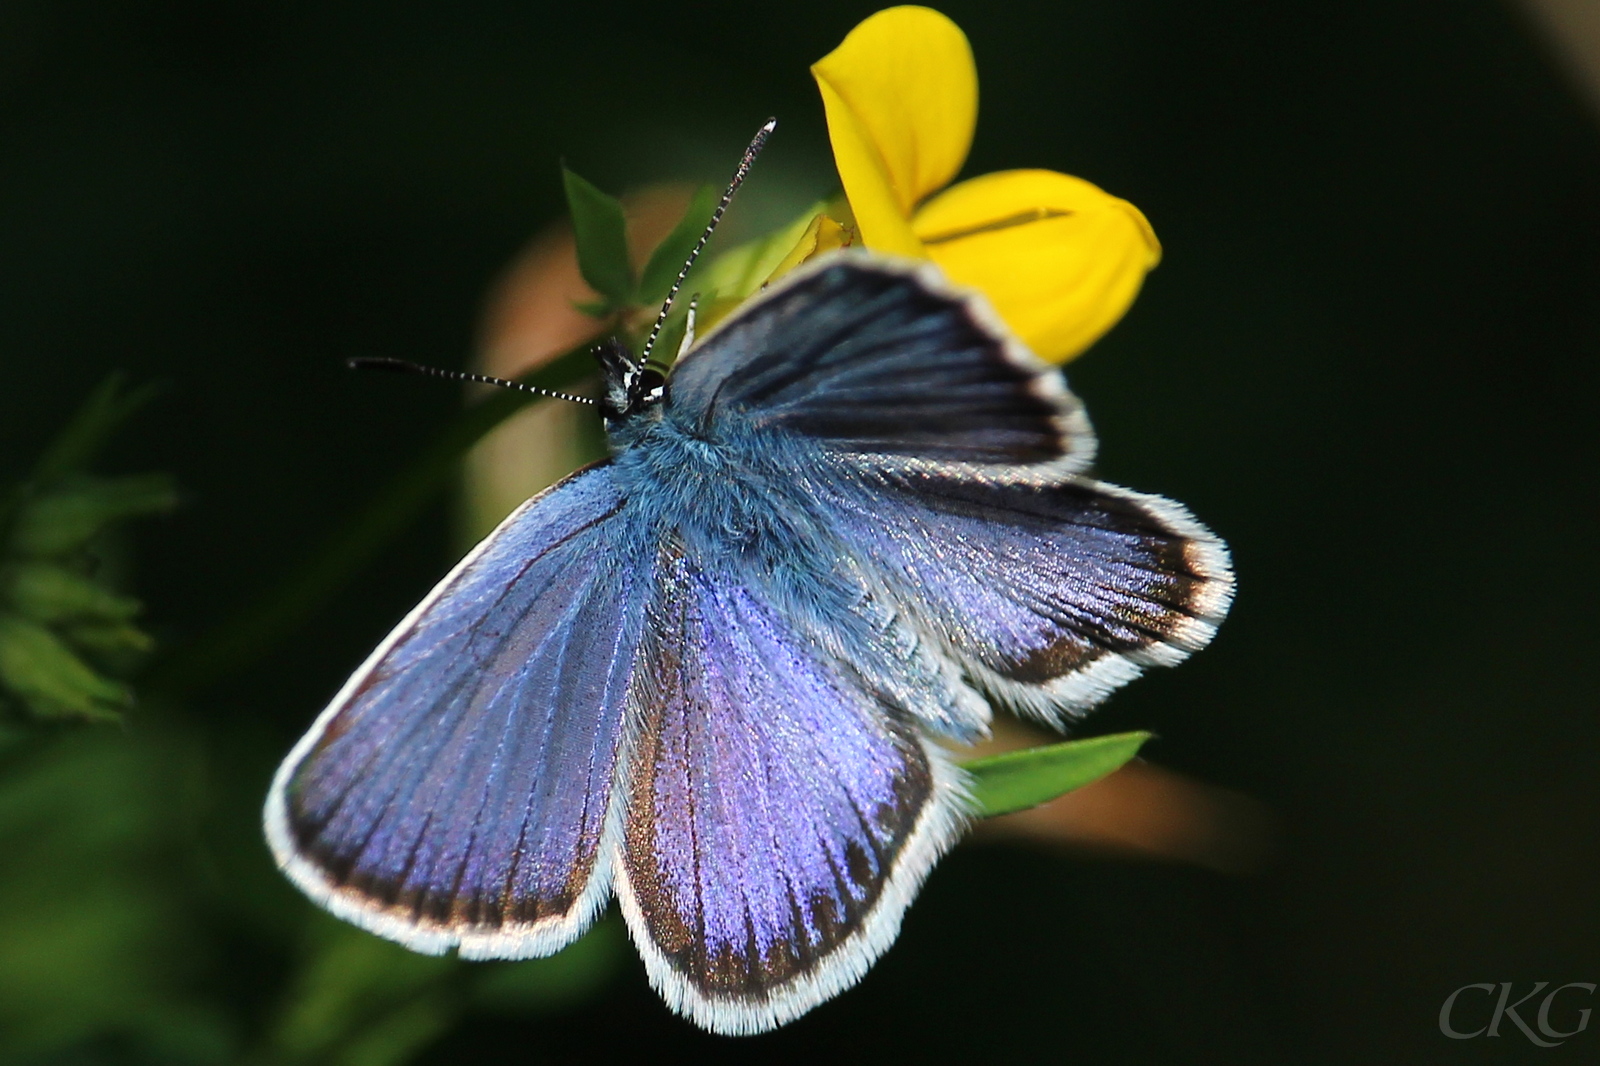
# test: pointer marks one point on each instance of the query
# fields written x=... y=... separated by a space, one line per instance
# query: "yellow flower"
x=1060 y=259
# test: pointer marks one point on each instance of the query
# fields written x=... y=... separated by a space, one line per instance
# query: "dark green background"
x=1367 y=360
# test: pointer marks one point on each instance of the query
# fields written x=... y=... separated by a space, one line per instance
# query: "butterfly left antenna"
x=401 y=366
x=739 y=174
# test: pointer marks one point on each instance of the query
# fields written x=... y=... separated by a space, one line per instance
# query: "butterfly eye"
x=620 y=379
x=650 y=387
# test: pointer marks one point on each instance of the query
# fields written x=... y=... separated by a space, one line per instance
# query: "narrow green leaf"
x=601 y=231
x=63 y=519
x=594 y=308
x=49 y=593
x=675 y=247
x=1018 y=780
x=108 y=639
x=41 y=671
x=101 y=414
x=672 y=331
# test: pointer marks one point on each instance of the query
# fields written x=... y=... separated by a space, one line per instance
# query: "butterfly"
x=707 y=675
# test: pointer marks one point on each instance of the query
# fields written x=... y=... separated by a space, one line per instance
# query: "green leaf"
x=601 y=231
x=106 y=409
x=594 y=308
x=672 y=331
x=108 y=639
x=102 y=413
x=49 y=593
x=669 y=256
x=65 y=518
x=43 y=673
x=1018 y=780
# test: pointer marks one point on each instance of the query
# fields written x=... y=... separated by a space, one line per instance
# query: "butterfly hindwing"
x=781 y=809
x=457 y=791
x=1050 y=595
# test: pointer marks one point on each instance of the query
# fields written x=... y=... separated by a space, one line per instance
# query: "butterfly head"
x=626 y=387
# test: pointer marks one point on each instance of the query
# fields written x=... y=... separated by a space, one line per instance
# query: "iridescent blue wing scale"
x=781 y=808
x=457 y=791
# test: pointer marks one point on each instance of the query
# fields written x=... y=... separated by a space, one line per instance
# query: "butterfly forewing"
x=875 y=356
x=457 y=792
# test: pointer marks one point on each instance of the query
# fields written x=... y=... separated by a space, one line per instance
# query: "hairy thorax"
x=727 y=492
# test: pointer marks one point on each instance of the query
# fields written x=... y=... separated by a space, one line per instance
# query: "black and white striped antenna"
x=740 y=173
x=402 y=366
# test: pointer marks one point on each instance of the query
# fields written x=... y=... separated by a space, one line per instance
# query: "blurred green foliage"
x=66 y=633
x=112 y=929
x=362 y=1001
x=98 y=938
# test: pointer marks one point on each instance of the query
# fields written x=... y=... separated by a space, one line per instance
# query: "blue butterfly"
x=704 y=676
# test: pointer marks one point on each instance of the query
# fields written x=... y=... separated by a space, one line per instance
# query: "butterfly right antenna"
x=739 y=174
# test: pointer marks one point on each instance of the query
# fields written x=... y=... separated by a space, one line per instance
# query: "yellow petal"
x=1060 y=259
x=901 y=96
x=823 y=235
